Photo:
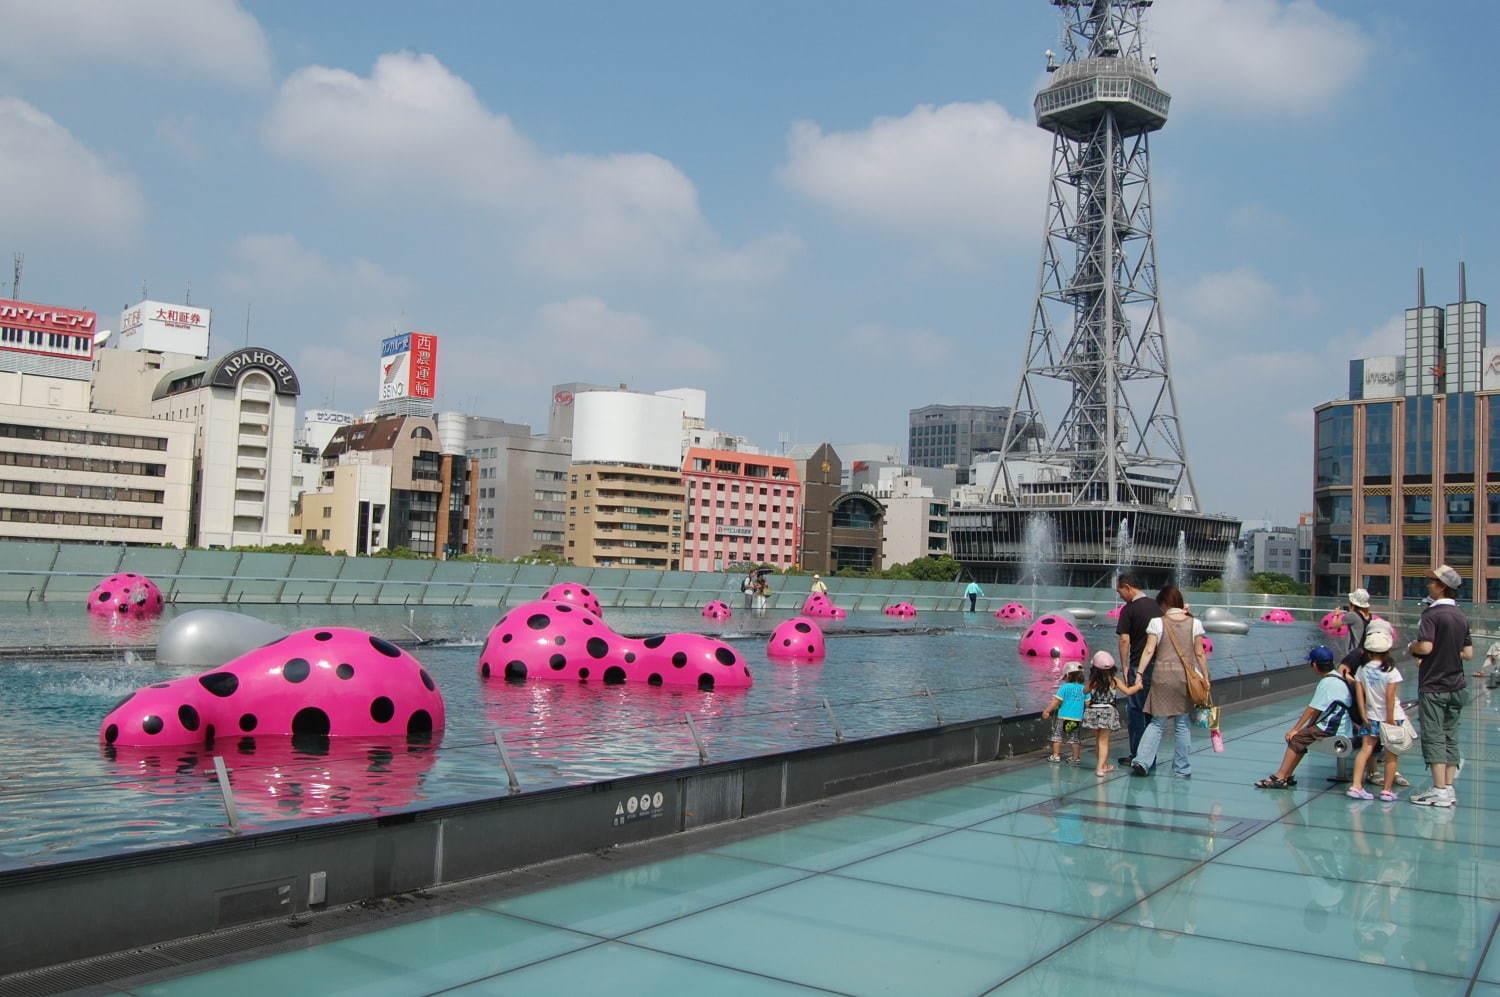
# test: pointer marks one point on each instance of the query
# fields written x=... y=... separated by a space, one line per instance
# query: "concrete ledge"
x=86 y=908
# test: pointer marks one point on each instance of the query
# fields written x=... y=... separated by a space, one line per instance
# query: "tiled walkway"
x=1039 y=880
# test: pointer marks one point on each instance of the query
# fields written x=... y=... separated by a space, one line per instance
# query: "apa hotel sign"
x=229 y=370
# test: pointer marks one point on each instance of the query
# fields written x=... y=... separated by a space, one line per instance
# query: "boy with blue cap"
x=1326 y=715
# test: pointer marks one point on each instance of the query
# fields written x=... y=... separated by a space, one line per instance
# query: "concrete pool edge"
x=88 y=908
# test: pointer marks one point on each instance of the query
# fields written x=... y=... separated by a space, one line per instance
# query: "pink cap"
x=1103 y=660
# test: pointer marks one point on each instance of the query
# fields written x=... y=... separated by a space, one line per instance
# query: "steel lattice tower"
x=1097 y=322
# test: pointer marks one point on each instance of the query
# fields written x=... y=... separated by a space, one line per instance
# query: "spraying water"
x=1180 y=579
x=1124 y=549
x=1233 y=579
x=1041 y=552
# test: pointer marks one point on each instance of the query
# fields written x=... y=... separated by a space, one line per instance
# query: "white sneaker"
x=1426 y=797
x=1445 y=798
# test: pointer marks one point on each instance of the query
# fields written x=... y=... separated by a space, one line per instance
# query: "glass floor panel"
x=1040 y=879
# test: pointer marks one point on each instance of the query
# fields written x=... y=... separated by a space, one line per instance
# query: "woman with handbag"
x=1176 y=670
x=1377 y=688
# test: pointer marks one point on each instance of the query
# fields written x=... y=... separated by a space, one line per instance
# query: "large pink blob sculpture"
x=717 y=610
x=1277 y=616
x=1208 y=646
x=903 y=609
x=822 y=607
x=798 y=639
x=1332 y=623
x=576 y=594
x=1114 y=614
x=561 y=642
x=125 y=596
x=335 y=681
x=1013 y=614
x=1053 y=637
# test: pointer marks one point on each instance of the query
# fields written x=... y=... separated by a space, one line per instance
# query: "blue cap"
x=1320 y=655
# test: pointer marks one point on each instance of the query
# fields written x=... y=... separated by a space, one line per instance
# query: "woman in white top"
x=1377 y=686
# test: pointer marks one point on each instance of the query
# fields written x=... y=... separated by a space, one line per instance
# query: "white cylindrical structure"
x=453 y=433
x=627 y=427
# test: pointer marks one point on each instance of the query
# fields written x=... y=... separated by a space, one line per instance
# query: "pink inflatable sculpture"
x=1114 y=614
x=1053 y=637
x=1332 y=623
x=822 y=607
x=561 y=642
x=1208 y=646
x=1013 y=614
x=125 y=596
x=335 y=681
x=903 y=609
x=717 y=610
x=1277 y=616
x=798 y=639
x=576 y=594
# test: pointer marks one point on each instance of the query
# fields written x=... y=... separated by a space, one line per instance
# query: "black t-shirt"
x=1442 y=670
x=1134 y=618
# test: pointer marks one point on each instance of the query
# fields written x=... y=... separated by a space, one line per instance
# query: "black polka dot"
x=162 y=685
x=653 y=679
x=587 y=621
x=564 y=609
x=812 y=649
x=706 y=682
x=484 y=669
x=310 y=720
x=1030 y=652
x=679 y=659
x=1070 y=636
x=787 y=642
x=220 y=683
x=382 y=709
x=558 y=662
x=559 y=640
x=614 y=675
x=152 y=724
x=296 y=670
x=427 y=680
x=419 y=723
x=584 y=591
x=515 y=671
x=188 y=717
x=654 y=642
x=803 y=628
x=345 y=671
x=725 y=655
x=103 y=596
x=538 y=621
x=597 y=647
x=629 y=657
x=111 y=734
x=131 y=574
x=123 y=607
x=583 y=673
x=385 y=647
x=1047 y=620
x=248 y=722
x=505 y=638
x=322 y=635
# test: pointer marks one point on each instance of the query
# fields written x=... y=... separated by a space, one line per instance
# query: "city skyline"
x=677 y=196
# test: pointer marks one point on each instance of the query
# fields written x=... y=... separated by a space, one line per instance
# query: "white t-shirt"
x=1153 y=629
x=1376 y=682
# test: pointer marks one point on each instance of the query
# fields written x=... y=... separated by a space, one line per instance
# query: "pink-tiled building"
x=741 y=509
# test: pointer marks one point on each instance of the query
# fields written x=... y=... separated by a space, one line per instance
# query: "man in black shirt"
x=1140 y=609
x=1443 y=644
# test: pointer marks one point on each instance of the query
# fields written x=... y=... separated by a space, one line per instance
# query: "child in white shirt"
x=1377 y=686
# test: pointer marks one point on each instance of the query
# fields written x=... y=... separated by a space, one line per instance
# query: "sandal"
x=1274 y=782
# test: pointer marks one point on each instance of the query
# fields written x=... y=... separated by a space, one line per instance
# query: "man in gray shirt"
x=1443 y=645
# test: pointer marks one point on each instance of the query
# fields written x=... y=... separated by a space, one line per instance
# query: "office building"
x=522 y=489
x=1271 y=550
x=840 y=529
x=952 y=435
x=916 y=517
x=742 y=509
x=1407 y=470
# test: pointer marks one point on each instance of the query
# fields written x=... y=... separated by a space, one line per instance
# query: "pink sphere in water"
x=1277 y=616
x=820 y=606
x=126 y=595
x=798 y=639
x=1208 y=646
x=903 y=609
x=1332 y=623
x=576 y=594
x=1053 y=637
x=1114 y=614
x=334 y=681
x=1013 y=613
x=717 y=610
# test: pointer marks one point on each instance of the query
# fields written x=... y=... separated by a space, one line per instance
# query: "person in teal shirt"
x=1068 y=704
x=973 y=592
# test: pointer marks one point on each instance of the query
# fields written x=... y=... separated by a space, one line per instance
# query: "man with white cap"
x=1443 y=644
x=1356 y=621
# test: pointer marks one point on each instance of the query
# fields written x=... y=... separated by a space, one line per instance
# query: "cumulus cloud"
x=952 y=173
x=55 y=184
x=1239 y=298
x=277 y=265
x=205 y=39
x=1257 y=55
x=412 y=125
x=886 y=345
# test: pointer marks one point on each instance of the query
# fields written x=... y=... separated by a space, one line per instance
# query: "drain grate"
x=1207 y=825
x=82 y=975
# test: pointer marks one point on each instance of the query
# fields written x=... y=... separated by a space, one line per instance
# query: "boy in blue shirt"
x=1326 y=715
x=1068 y=704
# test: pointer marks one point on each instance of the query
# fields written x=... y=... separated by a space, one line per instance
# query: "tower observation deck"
x=1096 y=355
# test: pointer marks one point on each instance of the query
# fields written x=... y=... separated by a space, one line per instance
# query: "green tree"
x=540 y=556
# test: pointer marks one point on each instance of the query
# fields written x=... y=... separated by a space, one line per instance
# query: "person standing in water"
x=973 y=592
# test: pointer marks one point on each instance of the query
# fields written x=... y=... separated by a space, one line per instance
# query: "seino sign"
x=229 y=370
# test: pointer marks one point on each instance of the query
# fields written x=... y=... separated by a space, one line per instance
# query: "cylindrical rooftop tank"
x=453 y=433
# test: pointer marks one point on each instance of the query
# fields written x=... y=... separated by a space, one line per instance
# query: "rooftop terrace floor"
x=1010 y=878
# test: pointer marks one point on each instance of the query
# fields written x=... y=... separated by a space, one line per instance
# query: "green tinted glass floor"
x=1039 y=880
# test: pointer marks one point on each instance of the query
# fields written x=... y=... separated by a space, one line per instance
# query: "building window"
x=1416 y=509
x=1458 y=550
x=1334 y=446
x=1459 y=437
x=1418 y=439
x=1460 y=507
x=1416 y=550
x=1336 y=509
x=1377 y=510
x=1378 y=440
x=1377 y=550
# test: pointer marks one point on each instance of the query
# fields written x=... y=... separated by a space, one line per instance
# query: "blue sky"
x=823 y=213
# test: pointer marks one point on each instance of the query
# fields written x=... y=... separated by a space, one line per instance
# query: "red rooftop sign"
x=45 y=318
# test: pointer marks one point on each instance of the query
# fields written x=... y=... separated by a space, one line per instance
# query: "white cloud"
x=56 y=186
x=276 y=266
x=1239 y=298
x=1256 y=55
x=957 y=173
x=414 y=127
x=212 y=39
x=885 y=345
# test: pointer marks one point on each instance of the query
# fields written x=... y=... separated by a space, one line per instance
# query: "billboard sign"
x=1384 y=377
x=408 y=366
x=1491 y=375
x=163 y=327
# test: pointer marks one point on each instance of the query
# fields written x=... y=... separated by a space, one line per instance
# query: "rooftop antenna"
x=187 y=297
x=145 y=291
x=1463 y=282
x=15 y=281
x=1421 y=289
